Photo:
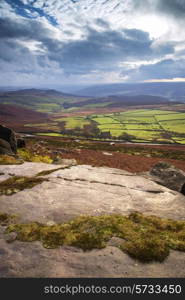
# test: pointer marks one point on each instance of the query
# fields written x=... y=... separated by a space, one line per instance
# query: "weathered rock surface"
x=8 y=135
x=169 y=176
x=78 y=190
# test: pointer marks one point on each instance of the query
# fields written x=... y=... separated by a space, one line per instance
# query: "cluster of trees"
x=91 y=130
x=126 y=137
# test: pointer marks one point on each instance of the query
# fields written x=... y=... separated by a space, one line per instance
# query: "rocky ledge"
x=63 y=192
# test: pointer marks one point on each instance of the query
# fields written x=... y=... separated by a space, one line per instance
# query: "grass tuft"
x=47 y=172
x=27 y=155
x=9 y=160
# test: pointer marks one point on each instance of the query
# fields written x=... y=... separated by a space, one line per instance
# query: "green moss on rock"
x=6 y=219
x=18 y=183
x=47 y=172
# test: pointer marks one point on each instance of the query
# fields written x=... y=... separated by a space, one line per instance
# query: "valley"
x=133 y=118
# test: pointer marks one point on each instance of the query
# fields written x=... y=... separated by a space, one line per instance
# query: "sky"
x=76 y=42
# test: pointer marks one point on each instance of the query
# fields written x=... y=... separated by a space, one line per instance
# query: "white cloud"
x=118 y=14
x=6 y=10
x=89 y=42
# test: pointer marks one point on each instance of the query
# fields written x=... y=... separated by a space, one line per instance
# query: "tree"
x=126 y=137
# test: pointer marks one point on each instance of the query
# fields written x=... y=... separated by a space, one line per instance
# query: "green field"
x=145 y=125
x=73 y=122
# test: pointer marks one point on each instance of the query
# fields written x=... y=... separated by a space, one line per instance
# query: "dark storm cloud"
x=167 y=69
x=15 y=56
x=11 y=51
x=106 y=46
x=174 y=7
x=103 y=50
x=24 y=29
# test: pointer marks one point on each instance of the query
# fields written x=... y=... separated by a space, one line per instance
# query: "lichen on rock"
x=15 y=184
x=6 y=219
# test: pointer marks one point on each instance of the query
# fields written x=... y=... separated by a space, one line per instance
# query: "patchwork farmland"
x=147 y=125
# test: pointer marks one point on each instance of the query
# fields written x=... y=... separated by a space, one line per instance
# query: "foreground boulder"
x=8 y=135
x=68 y=192
x=169 y=176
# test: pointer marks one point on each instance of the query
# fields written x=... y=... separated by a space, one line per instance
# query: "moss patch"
x=6 y=219
x=146 y=238
x=47 y=172
x=18 y=183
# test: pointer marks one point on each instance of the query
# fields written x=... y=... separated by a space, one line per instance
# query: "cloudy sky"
x=59 y=42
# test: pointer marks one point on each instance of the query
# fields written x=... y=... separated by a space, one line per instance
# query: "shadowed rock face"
x=8 y=135
x=84 y=190
x=169 y=176
x=21 y=143
x=5 y=147
x=183 y=189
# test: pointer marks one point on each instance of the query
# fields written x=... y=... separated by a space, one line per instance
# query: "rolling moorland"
x=129 y=118
x=143 y=129
x=172 y=90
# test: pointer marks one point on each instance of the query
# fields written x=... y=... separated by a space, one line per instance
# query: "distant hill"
x=171 y=90
x=52 y=101
x=40 y=100
x=38 y=92
x=119 y=101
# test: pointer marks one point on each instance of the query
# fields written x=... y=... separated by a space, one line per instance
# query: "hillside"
x=139 y=118
x=170 y=90
x=14 y=114
x=52 y=101
x=118 y=101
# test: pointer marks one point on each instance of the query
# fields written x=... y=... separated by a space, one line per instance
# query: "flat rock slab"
x=83 y=190
x=20 y=259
